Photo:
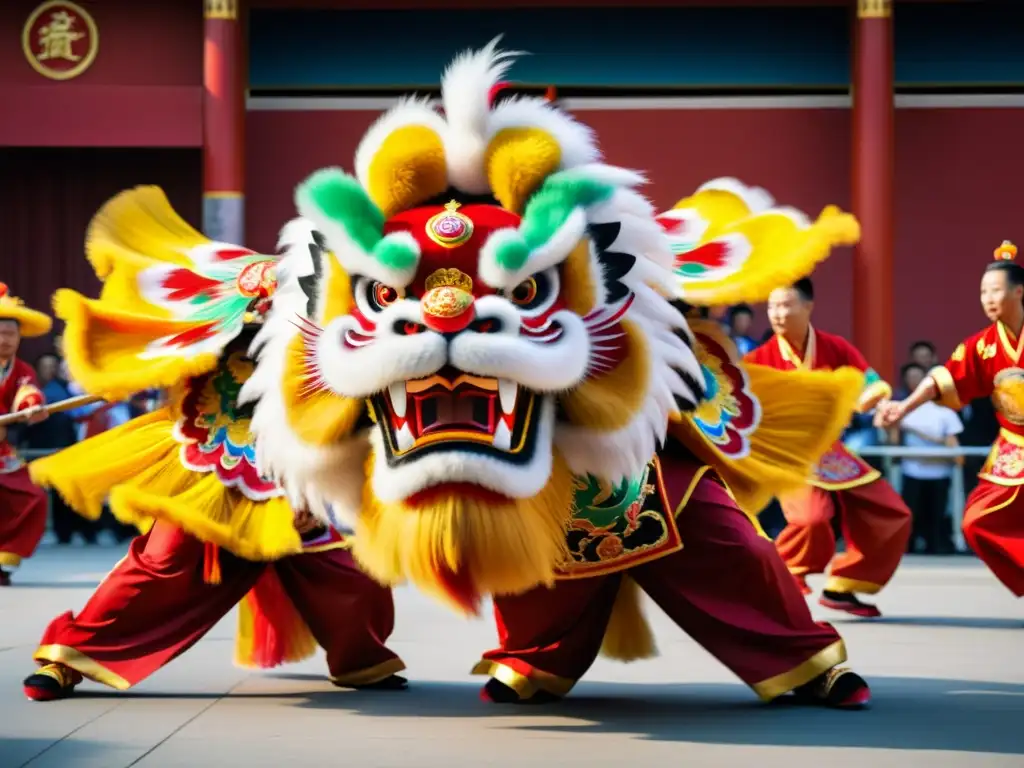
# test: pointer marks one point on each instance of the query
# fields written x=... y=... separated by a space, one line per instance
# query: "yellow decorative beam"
x=874 y=9
x=220 y=9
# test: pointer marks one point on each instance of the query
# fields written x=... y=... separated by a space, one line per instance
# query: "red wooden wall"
x=956 y=186
x=50 y=196
x=143 y=89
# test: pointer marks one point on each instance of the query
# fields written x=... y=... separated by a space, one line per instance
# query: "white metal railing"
x=888 y=454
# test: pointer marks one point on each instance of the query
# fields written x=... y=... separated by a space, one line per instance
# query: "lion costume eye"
x=536 y=293
x=373 y=296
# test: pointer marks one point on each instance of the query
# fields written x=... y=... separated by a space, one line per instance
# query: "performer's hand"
x=35 y=414
x=891 y=415
x=305 y=521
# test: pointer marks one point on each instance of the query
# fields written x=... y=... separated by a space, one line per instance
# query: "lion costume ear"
x=401 y=160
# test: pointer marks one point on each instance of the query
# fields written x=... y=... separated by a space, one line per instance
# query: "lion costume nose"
x=447 y=309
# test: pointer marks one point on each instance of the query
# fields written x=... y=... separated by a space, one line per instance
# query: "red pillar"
x=223 y=123
x=873 y=142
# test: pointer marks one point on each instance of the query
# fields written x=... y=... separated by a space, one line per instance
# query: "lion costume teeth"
x=492 y=318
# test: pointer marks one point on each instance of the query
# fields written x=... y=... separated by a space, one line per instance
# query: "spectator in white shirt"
x=926 y=480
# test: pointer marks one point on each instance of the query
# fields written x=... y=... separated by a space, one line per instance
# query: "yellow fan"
x=763 y=429
x=171 y=298
x=732 y=245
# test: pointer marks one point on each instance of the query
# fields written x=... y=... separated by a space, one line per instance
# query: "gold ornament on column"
x=220 y=9
x=874 y=9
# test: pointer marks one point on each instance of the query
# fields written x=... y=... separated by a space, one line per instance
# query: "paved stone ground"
x=946 y=665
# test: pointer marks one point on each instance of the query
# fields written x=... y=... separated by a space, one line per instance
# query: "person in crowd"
x=926 y=480
x=922 y=353
x=741 y=318
x=57 y=432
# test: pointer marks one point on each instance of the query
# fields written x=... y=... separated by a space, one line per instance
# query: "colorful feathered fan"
x=172 y=299
x=731 y=244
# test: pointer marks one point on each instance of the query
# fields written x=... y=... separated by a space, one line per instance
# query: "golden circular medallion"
x=257 y=279
x=1008 y=394
x=449 y=228
x=60 y=40
x=446 y=301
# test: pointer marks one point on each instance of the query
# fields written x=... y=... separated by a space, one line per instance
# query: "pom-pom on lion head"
x=491 y=318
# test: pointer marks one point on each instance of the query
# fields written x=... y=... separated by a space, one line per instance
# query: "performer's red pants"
x=155 y=605
x=727 y=588
x=22 y=517
x=994 y=528
x=876 y=526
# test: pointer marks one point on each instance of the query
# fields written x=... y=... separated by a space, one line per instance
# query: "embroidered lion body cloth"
x=494 y=352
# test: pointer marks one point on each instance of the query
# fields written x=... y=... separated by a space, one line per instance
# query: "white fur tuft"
x=466 y=95
x=755 y=198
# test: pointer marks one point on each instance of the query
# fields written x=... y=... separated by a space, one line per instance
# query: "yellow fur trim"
x=782 y=250
x=104 y=345
x=245 y=636
x=612 y=400
x=408 y=169
x=506 y=549
x=138 y=466
x=517 y=161
x=318 y=417
x=143 y=451
x=578 y=281
x=628 y=636
x=337 y=296
x=252 y=530
x=300 y=643
x=803 y=414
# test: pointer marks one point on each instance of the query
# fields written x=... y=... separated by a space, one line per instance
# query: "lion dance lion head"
x=490 y=318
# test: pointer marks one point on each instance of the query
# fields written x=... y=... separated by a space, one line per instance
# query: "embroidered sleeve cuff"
x=948 y=396
x=872 y=395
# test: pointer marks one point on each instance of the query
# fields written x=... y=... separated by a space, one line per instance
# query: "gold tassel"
x=628 y=636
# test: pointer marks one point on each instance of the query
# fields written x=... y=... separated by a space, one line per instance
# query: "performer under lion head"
x=494 y=323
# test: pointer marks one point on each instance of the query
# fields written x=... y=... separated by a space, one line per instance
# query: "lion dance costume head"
x=493 y=318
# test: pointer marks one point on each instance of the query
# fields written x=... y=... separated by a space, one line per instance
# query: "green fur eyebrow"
x=547 y=211
x=342 y=199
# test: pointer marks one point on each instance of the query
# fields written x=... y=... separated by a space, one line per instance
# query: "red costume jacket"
x=988 y=364
x=838 y=469
x=18 y=391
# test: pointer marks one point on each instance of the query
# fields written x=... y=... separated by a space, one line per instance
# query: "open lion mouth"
x=454 y=410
